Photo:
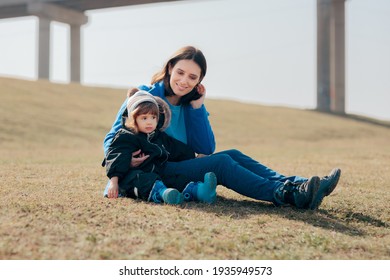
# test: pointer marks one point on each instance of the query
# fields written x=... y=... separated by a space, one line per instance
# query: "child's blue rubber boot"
x=203 y=192
x=161 y=194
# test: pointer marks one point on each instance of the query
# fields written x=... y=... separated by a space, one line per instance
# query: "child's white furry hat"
x=139 y=97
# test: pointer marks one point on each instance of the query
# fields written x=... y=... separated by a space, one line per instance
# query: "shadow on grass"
x=339 y=221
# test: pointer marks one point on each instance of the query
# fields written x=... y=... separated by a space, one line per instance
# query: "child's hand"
x=113 y=190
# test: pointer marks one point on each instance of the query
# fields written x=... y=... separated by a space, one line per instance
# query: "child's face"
x=146 y=123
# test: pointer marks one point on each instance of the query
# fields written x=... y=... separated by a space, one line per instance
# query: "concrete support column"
x=323 y=55
x=337 y=104
x=43 y=48
x=75 y=53
x=331 y=56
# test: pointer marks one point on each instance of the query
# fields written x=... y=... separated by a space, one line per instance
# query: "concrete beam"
x=57 y=13
x=82 y=5
x=16 y=8
x=101 y=4
x=13 y=11
x=16 y=2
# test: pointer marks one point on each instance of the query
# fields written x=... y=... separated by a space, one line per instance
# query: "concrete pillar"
x=43 y=48
x=75 y=53
x=331 y=56
x=337 y=104
x=323 y=55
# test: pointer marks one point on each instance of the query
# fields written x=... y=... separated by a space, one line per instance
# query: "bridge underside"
x=20 y=8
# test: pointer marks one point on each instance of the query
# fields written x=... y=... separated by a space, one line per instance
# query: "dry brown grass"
x=51 y=204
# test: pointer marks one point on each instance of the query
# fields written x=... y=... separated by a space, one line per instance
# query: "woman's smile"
x=181 y=87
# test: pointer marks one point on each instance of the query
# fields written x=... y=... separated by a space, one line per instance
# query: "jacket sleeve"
x=119 y=156
x=178 y=151
x=200 y=136
x=115 y=127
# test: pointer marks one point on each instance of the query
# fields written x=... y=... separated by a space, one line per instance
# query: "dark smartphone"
x=192 y=95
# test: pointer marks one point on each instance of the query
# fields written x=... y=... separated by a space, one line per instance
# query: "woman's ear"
x=169 y=69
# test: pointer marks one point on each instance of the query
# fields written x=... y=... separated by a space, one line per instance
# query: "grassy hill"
x=51 y=204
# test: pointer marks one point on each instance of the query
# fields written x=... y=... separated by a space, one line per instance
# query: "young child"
x=142 y=130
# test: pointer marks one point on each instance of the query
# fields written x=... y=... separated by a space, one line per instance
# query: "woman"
x=179 y=83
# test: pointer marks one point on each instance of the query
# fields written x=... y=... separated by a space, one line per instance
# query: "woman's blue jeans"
x=235 y=171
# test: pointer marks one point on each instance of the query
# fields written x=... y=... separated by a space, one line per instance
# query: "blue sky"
x=257 y=50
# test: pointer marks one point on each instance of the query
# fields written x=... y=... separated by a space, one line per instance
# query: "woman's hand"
x=200 y=155
x=196 y=104
x=138 y=158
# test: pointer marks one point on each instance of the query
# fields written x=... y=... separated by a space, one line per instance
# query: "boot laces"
x=291 y=186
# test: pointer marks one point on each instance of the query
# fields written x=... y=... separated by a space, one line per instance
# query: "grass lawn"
x=51 y=203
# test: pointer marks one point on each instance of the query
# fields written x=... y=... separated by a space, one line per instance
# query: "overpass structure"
x=330 y=39
x=71 y=12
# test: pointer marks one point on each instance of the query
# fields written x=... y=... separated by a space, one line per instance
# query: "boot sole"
x=337 y=173
x=173 y=197
x=210 y=180
x=322 y=193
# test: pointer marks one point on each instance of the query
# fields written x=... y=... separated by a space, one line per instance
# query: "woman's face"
x=185 y=75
